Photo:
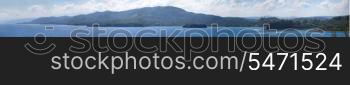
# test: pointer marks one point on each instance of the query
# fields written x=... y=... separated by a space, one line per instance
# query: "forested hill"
x=173 y=16
x=149 y=16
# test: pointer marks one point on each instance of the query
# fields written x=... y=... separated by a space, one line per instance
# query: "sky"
x=27 y=9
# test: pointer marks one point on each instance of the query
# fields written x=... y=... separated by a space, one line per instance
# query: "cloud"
x=229 y=8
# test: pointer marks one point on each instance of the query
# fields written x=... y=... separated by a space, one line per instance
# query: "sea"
x=46 y=30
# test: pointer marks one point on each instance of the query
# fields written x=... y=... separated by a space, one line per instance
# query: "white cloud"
x=233 y=8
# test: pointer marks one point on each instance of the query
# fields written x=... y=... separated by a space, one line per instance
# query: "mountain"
x=148 y=16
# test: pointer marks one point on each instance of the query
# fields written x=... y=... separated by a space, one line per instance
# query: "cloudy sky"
x=21 y=9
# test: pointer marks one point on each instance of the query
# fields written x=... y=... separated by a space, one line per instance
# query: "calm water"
x=26 y=30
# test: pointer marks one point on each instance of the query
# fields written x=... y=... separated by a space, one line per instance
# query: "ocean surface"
x=37 y=30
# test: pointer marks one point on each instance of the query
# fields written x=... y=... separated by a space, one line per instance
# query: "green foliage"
x=340 y=23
